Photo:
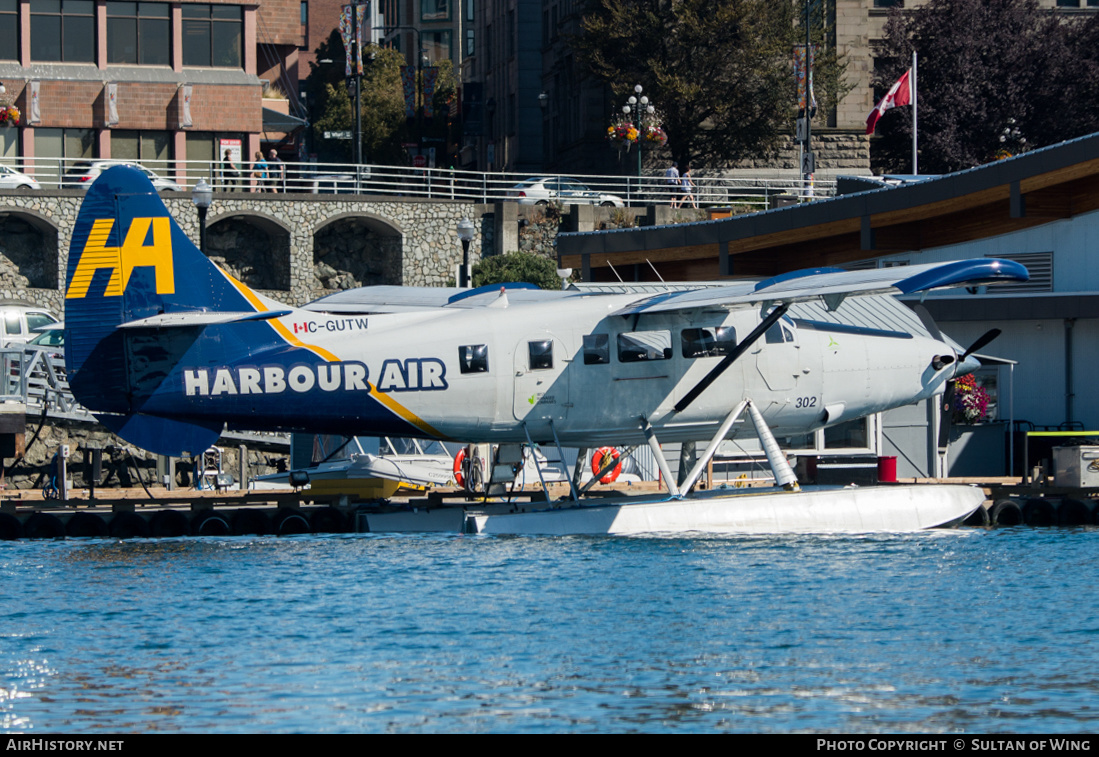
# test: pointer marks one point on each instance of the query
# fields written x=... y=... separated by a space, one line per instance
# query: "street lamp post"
x=202 y=196
x=357 y=77
x=465 y=234
x=639 y=106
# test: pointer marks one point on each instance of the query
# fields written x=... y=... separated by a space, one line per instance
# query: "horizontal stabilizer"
x=163 y=436
x=201 y=318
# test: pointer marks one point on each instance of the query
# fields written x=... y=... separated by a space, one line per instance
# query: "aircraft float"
x=167 y=350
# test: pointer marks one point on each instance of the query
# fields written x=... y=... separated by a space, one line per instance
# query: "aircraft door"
x=777 y=357
x=541 y=379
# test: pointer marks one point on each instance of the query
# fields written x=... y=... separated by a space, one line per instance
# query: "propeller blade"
x=984 y=339
x=946 y=413
x=927 y=320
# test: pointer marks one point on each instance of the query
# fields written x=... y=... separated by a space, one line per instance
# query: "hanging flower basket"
x=655 y=136
x=970 y=400
x=622 y=135
x=9 y=115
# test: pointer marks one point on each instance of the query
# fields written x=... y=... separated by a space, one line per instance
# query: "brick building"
x=150 y=81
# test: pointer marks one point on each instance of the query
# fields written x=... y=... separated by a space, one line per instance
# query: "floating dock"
x=133 y=513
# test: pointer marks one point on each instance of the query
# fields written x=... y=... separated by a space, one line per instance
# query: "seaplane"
x=167 y=350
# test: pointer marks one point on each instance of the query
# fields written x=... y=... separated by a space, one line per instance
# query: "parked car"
x=336 y=182
x=12 y=179
x=545 y=189
x=21 y=323
x=50 y=337
x=84 y=172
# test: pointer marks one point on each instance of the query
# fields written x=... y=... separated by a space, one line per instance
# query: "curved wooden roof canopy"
x=1047 y=184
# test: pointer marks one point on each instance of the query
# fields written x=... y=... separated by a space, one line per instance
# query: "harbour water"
x=966 y=631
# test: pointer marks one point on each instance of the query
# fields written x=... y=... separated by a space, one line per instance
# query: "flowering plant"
x=656 y=135
x=622 y=134
x=970 y=400
x=9 y=115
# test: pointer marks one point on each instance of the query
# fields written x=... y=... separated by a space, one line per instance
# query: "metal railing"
x=409 y=183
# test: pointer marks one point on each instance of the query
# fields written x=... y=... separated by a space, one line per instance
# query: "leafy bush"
x=517 y=267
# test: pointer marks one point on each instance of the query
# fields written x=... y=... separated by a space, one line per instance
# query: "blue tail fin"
x=126 y=251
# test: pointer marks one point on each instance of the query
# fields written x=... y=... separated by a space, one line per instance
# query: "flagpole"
x=915 y=120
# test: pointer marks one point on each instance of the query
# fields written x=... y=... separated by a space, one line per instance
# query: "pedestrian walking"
x=230 y=172
x=671 y=179
x=687 y=189
x=259 y=172
x=275 y=171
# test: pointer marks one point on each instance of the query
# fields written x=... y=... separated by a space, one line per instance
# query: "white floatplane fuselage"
x=167 y=349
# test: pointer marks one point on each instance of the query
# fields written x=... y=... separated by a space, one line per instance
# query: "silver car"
x=84 y=172
x=545 y=189
x=12 y=179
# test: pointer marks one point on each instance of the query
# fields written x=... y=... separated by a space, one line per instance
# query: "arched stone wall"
x=253 y=248
x=354 y=250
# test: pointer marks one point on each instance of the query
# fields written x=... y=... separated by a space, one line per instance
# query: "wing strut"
x=729 y=359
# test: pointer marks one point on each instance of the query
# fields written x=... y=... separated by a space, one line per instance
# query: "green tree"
x=720 y=74
x=383 y=121
x=995 y=77
x=517 y=267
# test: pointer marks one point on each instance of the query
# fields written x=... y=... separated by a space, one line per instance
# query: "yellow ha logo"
x=134 y=253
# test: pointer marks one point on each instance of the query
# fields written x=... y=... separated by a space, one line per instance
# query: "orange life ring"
x=459 y=478
x=597 y=464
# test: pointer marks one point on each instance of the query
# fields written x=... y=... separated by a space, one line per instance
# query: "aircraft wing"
x=398 y=299
x=833 y=285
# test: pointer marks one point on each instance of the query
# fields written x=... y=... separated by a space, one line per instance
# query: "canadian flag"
x=899 y=94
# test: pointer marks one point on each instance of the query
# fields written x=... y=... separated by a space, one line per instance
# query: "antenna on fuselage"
x=620 y=281
x=656 y=271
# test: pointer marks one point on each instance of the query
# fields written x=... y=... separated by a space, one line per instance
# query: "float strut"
x=784 y=476
x=711 y=448
x=658 y=453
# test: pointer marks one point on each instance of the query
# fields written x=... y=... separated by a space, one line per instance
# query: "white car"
x=12 y=179
x=544 y=189
x=21 y=323
x=84 y=172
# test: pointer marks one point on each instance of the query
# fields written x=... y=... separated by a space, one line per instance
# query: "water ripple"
x=950 y=632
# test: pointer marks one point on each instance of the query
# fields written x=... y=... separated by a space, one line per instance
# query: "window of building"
x=848 y=435
x=434 y=10
x=540 y=354
x=9 y=29
x=1068 y=3
x=153 y=149
x=708 y=342
x=597 y=349
x=639 y=346
x=205 y=145
x=470 y=47
x=9 y=143
x=303 y=18
x=212 y=35
x=63 y=30
x=436 y=45
x=68 y=144
x=138 y=33
x=473 y=358
x=888 y=3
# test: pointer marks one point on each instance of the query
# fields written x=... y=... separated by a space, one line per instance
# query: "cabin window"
x=708 y=342
x=541 y=354
x=779 y=333
x=597 y=349
x=639 y=346
x=473 y=358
